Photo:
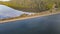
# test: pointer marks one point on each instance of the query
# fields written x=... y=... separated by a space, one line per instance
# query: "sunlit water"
x=7 y=12
x=5 y=0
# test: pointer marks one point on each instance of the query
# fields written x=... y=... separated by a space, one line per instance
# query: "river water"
x=40 y=25
x=8 y=12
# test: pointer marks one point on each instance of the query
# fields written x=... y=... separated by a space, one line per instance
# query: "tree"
x=32 y=5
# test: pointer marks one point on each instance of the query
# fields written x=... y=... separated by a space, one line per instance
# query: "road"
x=39 y=25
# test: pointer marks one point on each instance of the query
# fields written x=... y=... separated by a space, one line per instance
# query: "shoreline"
x=46 y=14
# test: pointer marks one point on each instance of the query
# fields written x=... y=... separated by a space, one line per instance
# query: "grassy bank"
x=32 y=5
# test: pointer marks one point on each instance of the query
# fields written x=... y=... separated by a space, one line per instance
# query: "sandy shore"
x=43 y=14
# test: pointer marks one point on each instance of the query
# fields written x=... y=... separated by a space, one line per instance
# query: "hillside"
x=32 y=5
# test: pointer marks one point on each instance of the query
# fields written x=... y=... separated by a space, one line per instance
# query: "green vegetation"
x=24 y=15
x=32 y=5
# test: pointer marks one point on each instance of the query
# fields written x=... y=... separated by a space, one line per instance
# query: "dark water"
x=40 y=25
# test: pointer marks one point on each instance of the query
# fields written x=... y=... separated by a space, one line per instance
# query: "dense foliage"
x=32 y=5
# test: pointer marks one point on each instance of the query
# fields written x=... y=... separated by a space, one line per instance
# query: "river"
x=40 y=25
x=8 y=12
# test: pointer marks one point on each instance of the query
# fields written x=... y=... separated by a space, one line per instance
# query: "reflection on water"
x=39 y=25
x=7 y=12
x=4 y=0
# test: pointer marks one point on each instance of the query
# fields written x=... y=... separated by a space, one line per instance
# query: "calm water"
x=7 y=12
x=39 y=25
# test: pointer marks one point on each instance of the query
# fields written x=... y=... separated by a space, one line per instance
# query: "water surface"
x=40 y=25
x=7 y=12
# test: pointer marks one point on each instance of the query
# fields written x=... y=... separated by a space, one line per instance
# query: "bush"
x=31 y=5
